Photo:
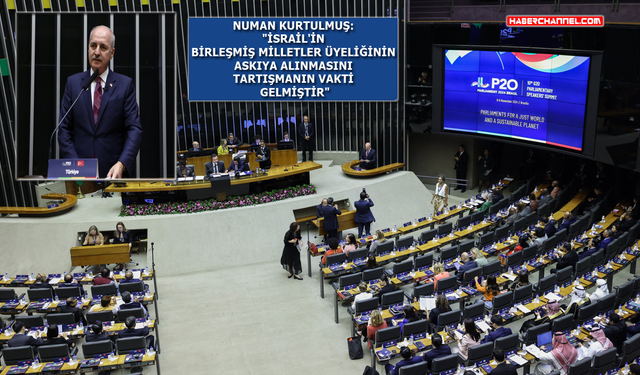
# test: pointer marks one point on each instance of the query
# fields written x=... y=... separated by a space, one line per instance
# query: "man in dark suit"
x=320 y=207
x=233 y=143
x=503 y=368
x=196 y=146
x=549 y=228
x=132 y=331
x=183 y=171
x=69 y=282
x=590 y=249
x=72 y=307
x=608 y=238
x=330 y=223
x=616 y=331
x=462 y=159
x=407 y=360
x=467 y=264
x=131 y=303
x=21 y=339
x=238 y=165
x=544 y=197
x=96 y=333
x=438 y=350
x=367 y=157
x=264 y=152
x=497 y=323
x=104 y=123
x=306 y=135
x=567 y=220
x=214 y=167
x=363 y=216
x=286 y=138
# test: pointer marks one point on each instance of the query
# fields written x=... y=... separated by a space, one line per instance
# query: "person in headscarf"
x=560 y=358
x=599 y=343
x=552 y=310
x=578 y=298
x=601 y=290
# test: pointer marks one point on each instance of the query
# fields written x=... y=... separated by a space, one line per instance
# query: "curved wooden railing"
x=68 y=201
x=347 y=168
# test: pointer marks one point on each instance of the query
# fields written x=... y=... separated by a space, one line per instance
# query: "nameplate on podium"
x=72 y=169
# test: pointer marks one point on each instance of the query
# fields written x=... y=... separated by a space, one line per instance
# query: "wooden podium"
x=345 y=221
x=104 y=254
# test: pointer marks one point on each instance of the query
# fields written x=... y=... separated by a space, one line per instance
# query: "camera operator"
x=364 y=217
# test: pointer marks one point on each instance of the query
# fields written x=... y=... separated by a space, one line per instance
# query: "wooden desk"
x=105 y=254
x=278 y=157
x=347 y=168
x=68 y=201
x=345 y=221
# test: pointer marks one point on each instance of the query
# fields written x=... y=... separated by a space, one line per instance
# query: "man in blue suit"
x=467 y=264
x=498 y=330
x=406 y=360
x=568 y=219
x=364 y=217
x=438 y=350
x=608 y=238
x=330 y=223
x=104 y=123
x=367 y=157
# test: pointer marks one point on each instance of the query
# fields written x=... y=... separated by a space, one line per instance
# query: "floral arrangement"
x=189 y=207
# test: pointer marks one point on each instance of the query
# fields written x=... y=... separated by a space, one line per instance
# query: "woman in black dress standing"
x=290 y=259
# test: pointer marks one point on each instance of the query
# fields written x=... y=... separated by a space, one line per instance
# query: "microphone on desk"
x=85 y=87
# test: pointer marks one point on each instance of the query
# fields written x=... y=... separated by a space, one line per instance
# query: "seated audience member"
x=578 y=298
x=196 y=146
x=489 y=289
x=54 y=337
x=521 y=280
x=488 y=202
x=93 y=237
x=540 y=237
x=592 y=247
x=104 y=278
x=523 y=242
x=129 y=302
x=438 y=273
x=551 y=311
x=378 y=239
x=470 y=338
x=560 y=358
x=497 y=323
x=626 y=222
x=372 y=263
x=286 y=138
x=512 y=216
x=567 y=220
x=616 y=331
x=351 y=244
x=477 y=256
x=183 y=171
x=606 y=240
x=544 y=196
x=615 y=230
x=95 y=333
x=406 y=360
x=41 y=282
x=570 y=258
x=385 y=286
x=410 y=316
x=233 y=143
x=214 y=167
x=438 y=350
x=69 y=282
x=442 y=306
x=22 y=339
x=72 y=307
x=238 y=165
x=599 y=343
x=376 y=323
x=128 y=278
x=107 y=303
x=502 y=368
x=467 y=264
x=333 y=249
x=556 y=189
x=132 y=331
x=534 y=203
x=597 y=196
x=223 y=149
x=602 y=290
x=364 y=294
x=549 y=228
x=634 y=209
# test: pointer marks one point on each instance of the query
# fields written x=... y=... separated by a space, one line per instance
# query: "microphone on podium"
x=85 y=87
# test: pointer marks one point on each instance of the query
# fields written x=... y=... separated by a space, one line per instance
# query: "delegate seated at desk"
x=287 y=139
x=183 y=171
x=22 y=339
x=69 y=282
x=263 y=153
x=41 y=282
x=132 y=331
x=213 y=167
x=131 y=303
x=72 y=307
x=93 y=237
x=104 y=278
x=107 y=303
x=54 y=337
x=238 y=166
x=233 y=143
x=95 y=333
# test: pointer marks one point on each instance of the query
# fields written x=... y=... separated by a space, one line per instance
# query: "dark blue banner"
x=531 y=96
x=291 y=59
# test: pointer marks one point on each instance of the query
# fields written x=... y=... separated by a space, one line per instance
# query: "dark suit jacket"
x=372 y=159
x=208 y=167
x=77 y=313
x=330 y=219
x=569 y=259
x=242 y=167
x=493 y=336
x=118 y=134
x=587 y=253
x=363 y=211
x=471 y=264
x=504 y=369
x=58 y=340
x=616 y=333
x=267 y=154
x=319 y=212
x=132 y=332
x=20 y=339
x=604 y=243
x=565 y=224
x=311 y=130
x=463 y=160
x=91 y=337
x=187 y=169
x=405 y=362
x=193 y=149
x=550 y=229
x=41 y=286
x=436 y=353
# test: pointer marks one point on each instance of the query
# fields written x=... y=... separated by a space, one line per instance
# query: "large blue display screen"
x=530 y=96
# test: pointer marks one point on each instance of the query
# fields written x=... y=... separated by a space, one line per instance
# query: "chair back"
x=17 y=354
x=479 y=353
x=89 y=349
x=466 y=246
x=522 y=293
x=127 y=344
x=374 y=274
x=564 y=276
x=473 y=311
x=447 y=283
x=508 y=343
x=388 y=334
x=502 y=301
x=607 y=303
x=366 y=305
x=533 y=332
x=38 y=294
x=61 y=318
x=586 y=312
x=404 y=242
x=72 y=291
x=463 y=222
x=7 y=293
x=124 y=313
x=104 y=290
x=604 y=361
x=491 y=268
x=421 y=261
x=99 y=316
x=581 y=367
x=31 y=321
x=412 y=328
x=351 y=279
x=471 y=274
x=486 y=239
x=385 y=247
x=562 y=324
x=424 y=290
x=514 y=259
x=546 y=284
x=583 y=266
x=447 y=319
x=448 y=253
x=419 y=368
x=444 y=364
x=401 y=267
x=428 y=235
x=353 y=255
x=392 y=298
x=445 y=228
x=630 y=349
x=502 y=232
x=49 y=353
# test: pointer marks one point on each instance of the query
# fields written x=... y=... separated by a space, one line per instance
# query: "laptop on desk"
x=545 y=339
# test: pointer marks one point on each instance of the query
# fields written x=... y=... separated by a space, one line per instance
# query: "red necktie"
x=97 y=99
x=367 y=156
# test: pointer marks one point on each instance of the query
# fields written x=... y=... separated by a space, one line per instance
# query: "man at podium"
x=104 y=123
x=367 y=157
